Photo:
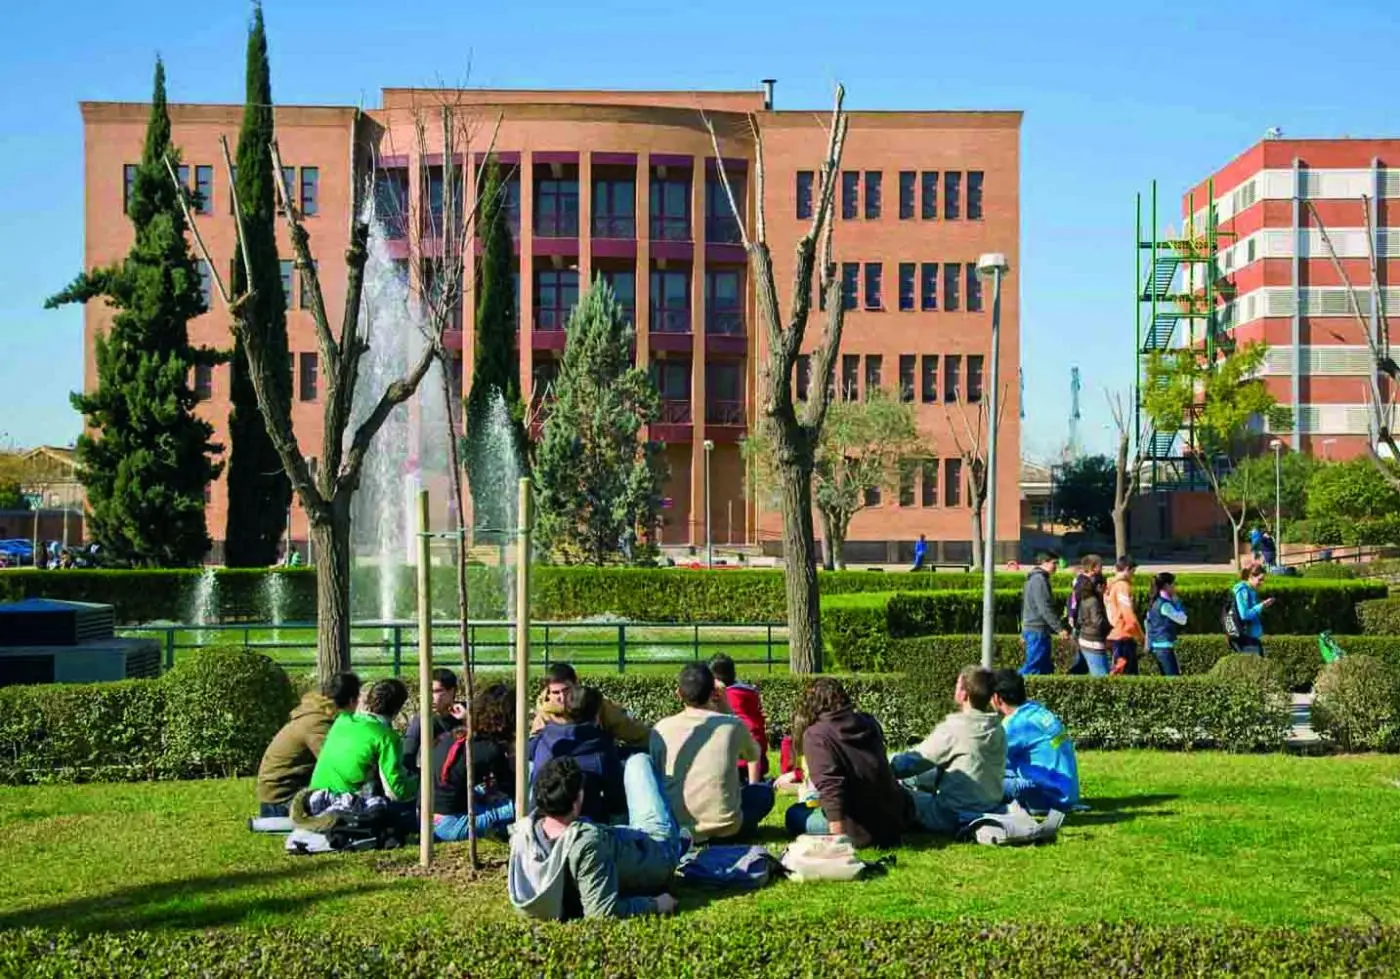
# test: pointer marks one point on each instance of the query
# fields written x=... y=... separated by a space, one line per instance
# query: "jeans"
x=802 y=818
x=271 y=810
x=755 y=802
x=651 y=825
x=492 y=813
x=1166 y=659
x=1096 y=660
x=1038 y=658
x=1126 y=650
x=1028 y=794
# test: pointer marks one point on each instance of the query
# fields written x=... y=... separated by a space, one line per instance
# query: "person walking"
x=1039 y=620
x=1248 y=612
x=1165 y=617
x=1126 y=632
x=920 y=552
x=1091 y=624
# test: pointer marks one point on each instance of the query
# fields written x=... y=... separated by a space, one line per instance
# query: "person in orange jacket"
x=1126 y=632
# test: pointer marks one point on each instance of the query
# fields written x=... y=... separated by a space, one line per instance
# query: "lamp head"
x=709 y=444
x=991 y=262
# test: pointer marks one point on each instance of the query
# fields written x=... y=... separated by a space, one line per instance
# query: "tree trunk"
x=832 y=539
x=979 y=541
x=1120 y=529
x=799 y=555
x=331 y=541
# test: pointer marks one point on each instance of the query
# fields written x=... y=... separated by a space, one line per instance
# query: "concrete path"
x=1302 y=736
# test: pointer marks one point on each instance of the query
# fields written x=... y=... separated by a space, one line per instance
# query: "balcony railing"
x=724 y=413
x=724 y=322
x=674 y=412
x=668 y=228
x=722 y=229
x=670 y=321
x=622 y=227
x=551 y=320
x=556 y=225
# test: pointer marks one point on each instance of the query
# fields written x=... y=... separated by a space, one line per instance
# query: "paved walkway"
x=1303 y=736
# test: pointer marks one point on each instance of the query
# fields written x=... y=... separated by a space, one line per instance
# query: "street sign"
x=35 y=500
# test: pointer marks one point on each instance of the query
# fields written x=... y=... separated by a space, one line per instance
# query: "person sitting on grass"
x=844 y=752
x=1042 y=772
x=493 y=733
x=363 y=753
x=549 y=709
x=447 y=714
x=960 y=766
x=743 y=702
x=289 y=760
x=582 y=739
x=698 y=753
x=1165 y=617
x=564 y=867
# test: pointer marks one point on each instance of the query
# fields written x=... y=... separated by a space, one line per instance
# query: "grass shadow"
x=1105 y=812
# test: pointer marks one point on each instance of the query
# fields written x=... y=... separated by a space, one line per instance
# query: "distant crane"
x=1072 y=447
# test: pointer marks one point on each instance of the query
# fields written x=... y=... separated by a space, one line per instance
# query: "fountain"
x=274 y=601
x=204 y=605
x=503 y=485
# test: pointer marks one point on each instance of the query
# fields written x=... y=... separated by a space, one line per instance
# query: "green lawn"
x=1174 y=839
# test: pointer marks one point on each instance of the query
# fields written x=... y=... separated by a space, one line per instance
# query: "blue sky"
x=1114 y=95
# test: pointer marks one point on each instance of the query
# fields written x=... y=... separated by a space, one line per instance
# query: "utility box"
x=46 y=641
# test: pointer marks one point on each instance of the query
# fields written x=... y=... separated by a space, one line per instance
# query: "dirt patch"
x=450 y=864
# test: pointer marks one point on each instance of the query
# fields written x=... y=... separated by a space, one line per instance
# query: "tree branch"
x=394 y=395
x=724 y=181
x=330 y=351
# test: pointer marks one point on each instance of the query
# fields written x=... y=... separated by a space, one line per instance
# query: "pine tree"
x=496 y=370
x=598 y=481
x=259 y=491
x=147 y=460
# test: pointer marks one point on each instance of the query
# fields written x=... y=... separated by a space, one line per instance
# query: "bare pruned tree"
x=1127 y=462
x=796 y=426
x=971 y=446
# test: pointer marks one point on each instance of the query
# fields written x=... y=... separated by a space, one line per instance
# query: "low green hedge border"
x=845 y=944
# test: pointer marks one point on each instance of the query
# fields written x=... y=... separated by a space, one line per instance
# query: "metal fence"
x=393 y=646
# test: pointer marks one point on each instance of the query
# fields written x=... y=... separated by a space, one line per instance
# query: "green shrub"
x=1379 y=616
x=1357 y=704
x=222 y=707
x=1331 y=571
x=1248 y=668
x=81 y=732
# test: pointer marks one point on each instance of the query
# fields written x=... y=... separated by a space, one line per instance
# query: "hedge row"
x=843 y=944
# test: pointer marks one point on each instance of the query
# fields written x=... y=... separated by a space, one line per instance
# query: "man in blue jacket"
x=1042 y=771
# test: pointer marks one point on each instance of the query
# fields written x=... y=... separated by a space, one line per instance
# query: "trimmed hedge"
x=1379 y=617
x=1358 y=704
x=843 y=944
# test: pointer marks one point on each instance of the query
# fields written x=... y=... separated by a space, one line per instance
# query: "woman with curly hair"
x=493 y=723
x=844 y=757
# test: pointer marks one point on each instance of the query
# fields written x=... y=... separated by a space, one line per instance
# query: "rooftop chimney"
x=768 y=84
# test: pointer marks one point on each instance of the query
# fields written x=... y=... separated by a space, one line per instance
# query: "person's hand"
x=458 y=711
x=666 y=904
x=1269 y=601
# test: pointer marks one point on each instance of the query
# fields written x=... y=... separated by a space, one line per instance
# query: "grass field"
x=1173 y=839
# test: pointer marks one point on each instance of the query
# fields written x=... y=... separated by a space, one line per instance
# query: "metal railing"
x=393 y=645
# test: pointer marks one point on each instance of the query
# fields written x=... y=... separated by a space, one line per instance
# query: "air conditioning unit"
x=45 y=641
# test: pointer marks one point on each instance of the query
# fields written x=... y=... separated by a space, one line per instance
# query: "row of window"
x=919 y=480
x=918 y=377
x=306 y=191
x=916 y=280
x=308 y=378
x=916 y=187
x=557 y=292
x=285 y=266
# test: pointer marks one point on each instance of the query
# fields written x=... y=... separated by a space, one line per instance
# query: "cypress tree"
x=259 y=491
x=147 y=459
x=495 y=370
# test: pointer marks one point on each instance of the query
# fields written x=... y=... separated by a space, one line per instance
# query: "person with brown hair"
x=844 y=752
x=1125 y=634
x=1091 y=625
x=493 y=733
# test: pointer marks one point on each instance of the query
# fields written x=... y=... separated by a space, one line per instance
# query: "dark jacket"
x=413 y=736
x=596 y=753
x=1037 y=608
x=844 y=752
x=1092 y=619
x=291 y=757
x=492 y=766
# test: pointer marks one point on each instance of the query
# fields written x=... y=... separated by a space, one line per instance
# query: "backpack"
x=1327 y=646
x=811 y=857
x=740 y=867
x=1230 y=619
x=1015 y=827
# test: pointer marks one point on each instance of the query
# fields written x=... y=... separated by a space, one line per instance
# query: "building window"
x=850 y=284
x=307 y=377
x=952 y=482
x=310 y=191
x=907 y=472
x=873 y=181
x=556 y=294
x=615 y=209
x=906 y=377
x=183 y=171
x=556 y=209
x=233 y=178
x=850 y=194
x=874 y=274
x=873 y=364
x=624 y=287
x=906 y=194
x=724 y=311
x=906 y=286
x=804 y=375
x=391 y=201
x=952 y=271
x=203 y=382
x=721 y=226
x=952 y=195
x=804 y=195
x=929 y=477
x=974 y=378
x=286 y=268
x=928 y=379
x=872 y=496
x=974 y=195
x=974 y=288
x=206 y=283
x=670 y=301
x=204 y=189
x=724 y=393
x=952 y=375
x=1249 y=250
x=670 y=209
x=850 y=376
x=928 y=208
x=128 y=185
x=289 y=183
x=928 y=286
x=672 y=379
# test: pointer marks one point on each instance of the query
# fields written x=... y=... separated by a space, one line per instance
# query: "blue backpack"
x=743 y=868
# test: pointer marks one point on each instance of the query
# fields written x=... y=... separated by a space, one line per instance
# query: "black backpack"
x=1230 y=618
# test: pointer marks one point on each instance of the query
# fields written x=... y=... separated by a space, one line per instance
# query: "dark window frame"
x=556 y=221
x=974 y=195
x=973 y=299
x=308 y=376
x=952 y=195
x=664 y=224
x=806 y=179
x=976 y=378
x=952 y=282
x=556 y=282
x=874 y=374
x=607 y=219
x=928 y=287
x=928 y=378
x=850 y=195
x=874 y=194
x=908 y=190
x=908 y=369
x=928 y=193
x=667 y=318
x=873 y=285
x=952 y=378
x=310 y=187
x=850 y=285
x=908 y=286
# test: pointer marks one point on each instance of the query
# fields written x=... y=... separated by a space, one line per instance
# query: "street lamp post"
x=709 y=543
x=993 y=265
x=1277 y=446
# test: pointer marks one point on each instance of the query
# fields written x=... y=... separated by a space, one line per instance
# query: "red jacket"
x=745 y=705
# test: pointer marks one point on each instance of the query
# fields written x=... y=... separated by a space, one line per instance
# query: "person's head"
x=1087 y=585
x=1008 y=691
x=921 y=537
x=823 y=696
x=558 y=679
x=974 y=689
x=341 y=689
x=1124 y=567
x=1164 y=584
x=723 y=669
x=385 y=698
x=1254 y=574
x=1091 y=564
x=559 y=789
x=1047 y=561
x=493 y=713
x=697 y=685
x=444 y=690
x=582 y=704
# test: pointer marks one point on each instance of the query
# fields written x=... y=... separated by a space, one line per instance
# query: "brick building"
x=1286 y=290
x=623 y=185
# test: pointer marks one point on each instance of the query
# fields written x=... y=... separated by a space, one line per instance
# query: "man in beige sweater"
x=559 y=679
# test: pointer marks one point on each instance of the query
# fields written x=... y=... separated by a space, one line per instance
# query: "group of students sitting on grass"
x=616 y=805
